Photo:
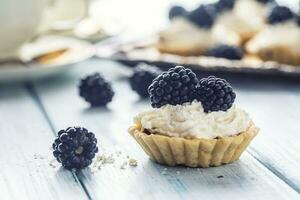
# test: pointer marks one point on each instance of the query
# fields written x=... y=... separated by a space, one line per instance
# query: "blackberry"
x=215 y=94
x=202 y=16
x=279 y=14
x=142 y=77
x=75 y=147
x=298 y=19
x=176 y=11
x=226 y=51
x=266 y=1
x=224 y=5
x=175 y=86
x=96 y=90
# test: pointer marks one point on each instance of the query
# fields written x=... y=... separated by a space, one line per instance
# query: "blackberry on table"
x=215 y=94
x=203 y=16
x=96 y=90
x=142 y=77
x=226 y=51
x=75 y=147
x=176 y=11
x=175 y=86
x=279 y=14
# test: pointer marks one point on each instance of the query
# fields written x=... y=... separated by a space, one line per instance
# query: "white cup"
x=21 y=20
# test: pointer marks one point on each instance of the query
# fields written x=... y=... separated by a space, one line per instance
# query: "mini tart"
x=187 y=39
x=184 y=38
x=193 y=152
x=246 y=19
x=278 y=43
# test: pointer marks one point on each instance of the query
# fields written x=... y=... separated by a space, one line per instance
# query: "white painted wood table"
x=31 y=114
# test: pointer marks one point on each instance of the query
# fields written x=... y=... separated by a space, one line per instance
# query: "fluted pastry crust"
x=193 y=152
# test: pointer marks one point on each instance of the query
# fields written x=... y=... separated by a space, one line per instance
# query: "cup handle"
x=61 y=15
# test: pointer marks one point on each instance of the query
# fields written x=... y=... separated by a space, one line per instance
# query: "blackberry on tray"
x=175 y=86
x=176 y=11
x=203 y=16
x=96 y=90
x=226 y=51
x=266 y=1
x=279 y=14
x=224 y=5
x=298 y=19
x=75 y=147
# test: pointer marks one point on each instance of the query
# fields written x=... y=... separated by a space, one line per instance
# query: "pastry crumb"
x=38 y=156
x=132 y=162
x=53 y=163
x=105 y=159
x=164 y=171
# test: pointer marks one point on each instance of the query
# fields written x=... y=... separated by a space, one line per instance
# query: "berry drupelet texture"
x=279 y=14
x=75 y=147
x=142 y=77
x=176 y=11
x=226 y=51
x=175 y=86
x=215 y=94
x=96 y=90
x=203 y=16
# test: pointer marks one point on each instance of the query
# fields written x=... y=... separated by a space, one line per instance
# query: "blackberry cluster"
x=215 y=94
x=142 y=77
x=75 y=147
x=279 y=14
x=226 y=51
x=96 y=90
x=175 y=86
x=202 y=16
x=224 y=5
x=176 y=11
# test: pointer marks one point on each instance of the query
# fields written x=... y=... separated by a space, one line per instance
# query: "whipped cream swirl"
x=190 y=121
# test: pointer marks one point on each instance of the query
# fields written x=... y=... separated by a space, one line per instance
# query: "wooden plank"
x=246 y=179
x=26 y=138
x=274 y=104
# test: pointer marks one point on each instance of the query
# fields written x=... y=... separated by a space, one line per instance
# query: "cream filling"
x=184 y=34
x=282 y=35
x=247 y=17
x=190 y=121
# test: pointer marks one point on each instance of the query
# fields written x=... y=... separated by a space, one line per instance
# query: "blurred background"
x=140 y=17
x=35 y=34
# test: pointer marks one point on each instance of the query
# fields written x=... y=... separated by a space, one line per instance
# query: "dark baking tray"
x=133 y=53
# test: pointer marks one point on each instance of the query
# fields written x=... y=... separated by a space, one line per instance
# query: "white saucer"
x=27 y=69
